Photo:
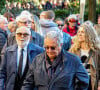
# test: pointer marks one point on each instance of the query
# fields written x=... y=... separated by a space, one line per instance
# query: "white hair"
x=25 y=12
x=72 y=16
x=24 y=28
x=23 y=18
x=2 y=18
x=55 y=35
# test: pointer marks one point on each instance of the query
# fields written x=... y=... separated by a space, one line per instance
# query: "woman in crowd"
x=86 y=46
x=37 y=38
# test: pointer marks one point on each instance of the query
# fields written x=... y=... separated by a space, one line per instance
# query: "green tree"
x=92 y=10
x=2 y=5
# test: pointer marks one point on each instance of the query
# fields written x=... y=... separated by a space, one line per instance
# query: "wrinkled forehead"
x=23 y=30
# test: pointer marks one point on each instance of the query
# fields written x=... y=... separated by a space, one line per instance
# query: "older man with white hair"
x=16 y=60
x=23 y=20
x=3 y=33
x=55 y=69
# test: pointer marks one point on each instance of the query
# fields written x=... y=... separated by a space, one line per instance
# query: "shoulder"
x=35 y=47
x=39 y=59
x=66 y=35
x=11 y=48
x=11 y=35
x=71 y=57
x=65 y=30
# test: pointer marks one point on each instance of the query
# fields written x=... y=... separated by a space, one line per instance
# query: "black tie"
x=20 y=63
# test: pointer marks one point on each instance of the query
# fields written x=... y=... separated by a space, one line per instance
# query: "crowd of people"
x=48 y=53
x=16 y=7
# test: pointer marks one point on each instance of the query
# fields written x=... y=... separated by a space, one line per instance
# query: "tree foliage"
x=2 y=4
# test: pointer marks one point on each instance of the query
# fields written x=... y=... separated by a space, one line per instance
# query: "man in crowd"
x=66 y=37
x=46 y=22
x=16 y=60
x=22 y=20
x=55 y=69
x=3 y=33
x=60 y=23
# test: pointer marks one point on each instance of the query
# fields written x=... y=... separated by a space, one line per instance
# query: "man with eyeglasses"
x=17 y=59
x=21 y=20
x=55 y=69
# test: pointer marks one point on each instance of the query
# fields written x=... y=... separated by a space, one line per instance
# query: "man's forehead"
x=49 y=41
x=22 y=31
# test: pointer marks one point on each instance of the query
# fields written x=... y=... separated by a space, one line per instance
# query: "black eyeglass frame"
x=24 y=34
x=60 y=25
x=51 y=47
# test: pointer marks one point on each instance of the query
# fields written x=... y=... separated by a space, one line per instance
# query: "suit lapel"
x=13 y=57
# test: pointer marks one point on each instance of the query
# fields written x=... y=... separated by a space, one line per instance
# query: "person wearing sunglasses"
x=60 y=23
x=17 y=59
x=66 y=37
x=55 y=69
x=21 y=20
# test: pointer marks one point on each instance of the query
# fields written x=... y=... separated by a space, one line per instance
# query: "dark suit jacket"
x=8 y=66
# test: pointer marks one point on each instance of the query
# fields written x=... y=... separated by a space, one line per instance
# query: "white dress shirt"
x=24 y=57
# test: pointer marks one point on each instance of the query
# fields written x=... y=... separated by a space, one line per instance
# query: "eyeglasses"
x=24 y=34
x=32 y=22
x=60 y=25
x=27 y=22
x=52 y=48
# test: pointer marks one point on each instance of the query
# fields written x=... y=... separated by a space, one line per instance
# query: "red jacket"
x=70 y=31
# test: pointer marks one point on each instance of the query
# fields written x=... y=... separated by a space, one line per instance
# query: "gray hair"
x=55 y=35
x=72 y=16
x=24 y=28
x=2 y=18
x=25 y=12
x=23 y=18
x=59 y=19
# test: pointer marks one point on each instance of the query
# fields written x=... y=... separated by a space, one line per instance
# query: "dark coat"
x=3 y=37
x=66 y=41
x=64 y=77
x=48 y=6
x=37 y=38
x=8 y=67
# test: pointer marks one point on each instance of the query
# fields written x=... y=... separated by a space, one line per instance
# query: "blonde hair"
x=91 y=39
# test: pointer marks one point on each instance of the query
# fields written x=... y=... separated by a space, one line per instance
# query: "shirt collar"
x=25 y=48
x=55 y=62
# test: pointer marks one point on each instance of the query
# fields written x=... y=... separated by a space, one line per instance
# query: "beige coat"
x=93 y=68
